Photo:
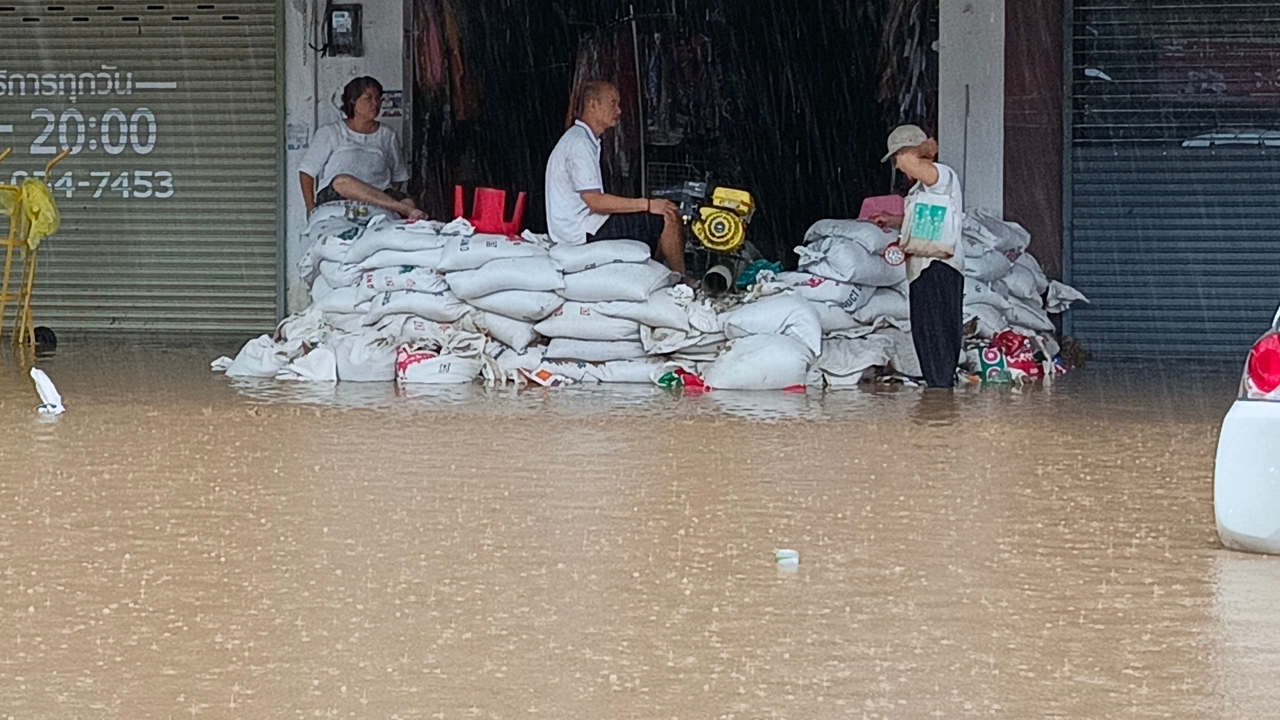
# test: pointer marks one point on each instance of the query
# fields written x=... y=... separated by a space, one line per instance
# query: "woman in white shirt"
x=931 y=239
x=357 y=159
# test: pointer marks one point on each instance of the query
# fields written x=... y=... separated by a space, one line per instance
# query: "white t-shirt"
x=948 y=185
x=572 y=169
x=373 y=159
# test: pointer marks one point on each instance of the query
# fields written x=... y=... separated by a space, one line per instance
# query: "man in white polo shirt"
x=578 y=209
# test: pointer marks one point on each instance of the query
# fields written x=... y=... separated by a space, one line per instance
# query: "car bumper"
x=1246 y=478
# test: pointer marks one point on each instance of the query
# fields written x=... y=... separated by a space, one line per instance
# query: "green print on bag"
x=928 y=222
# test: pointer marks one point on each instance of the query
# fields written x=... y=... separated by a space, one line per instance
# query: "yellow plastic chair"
x=24 y=331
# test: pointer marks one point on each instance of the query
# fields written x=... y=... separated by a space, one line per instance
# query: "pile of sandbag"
x=434 y=303
x=1005 y=287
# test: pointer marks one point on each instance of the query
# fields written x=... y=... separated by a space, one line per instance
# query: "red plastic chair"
x=488 y=210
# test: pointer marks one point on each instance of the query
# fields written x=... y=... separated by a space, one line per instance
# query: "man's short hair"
x=593 y=91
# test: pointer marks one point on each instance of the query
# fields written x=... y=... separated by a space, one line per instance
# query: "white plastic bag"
x=886 y=302
x=1061 y=297
x=385 y=280
x=593 y=351
x=514 y=334
x=760 y=362
x=519 y=304
x=364 y=358
x=581 y=321
x=469 y=253
x=319 y=365
x=535 y=274
x=632 y=282
x=576 y=258
x=260 y=357
x=784 y=314
x=440 y=306
x=661 y=310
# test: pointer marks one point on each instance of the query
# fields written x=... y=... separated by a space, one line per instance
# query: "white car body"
x=1246 y=475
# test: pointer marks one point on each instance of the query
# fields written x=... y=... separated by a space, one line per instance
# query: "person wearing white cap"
x=931 y=234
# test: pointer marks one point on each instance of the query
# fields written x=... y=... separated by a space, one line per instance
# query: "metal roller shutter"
x=1174 y=224
x=170 y=203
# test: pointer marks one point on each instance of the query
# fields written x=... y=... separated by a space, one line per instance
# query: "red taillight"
x=1264 y=364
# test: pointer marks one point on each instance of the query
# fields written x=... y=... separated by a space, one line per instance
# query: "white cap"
x=903 y=137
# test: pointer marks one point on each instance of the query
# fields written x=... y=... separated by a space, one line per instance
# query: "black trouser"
x=937 y=322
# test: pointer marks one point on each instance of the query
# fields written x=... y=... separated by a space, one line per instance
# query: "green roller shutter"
x=170 y=200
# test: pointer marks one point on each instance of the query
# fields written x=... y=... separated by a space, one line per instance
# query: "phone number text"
x=137 y=184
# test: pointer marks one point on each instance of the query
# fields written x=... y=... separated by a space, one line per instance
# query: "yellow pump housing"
x=722 y=226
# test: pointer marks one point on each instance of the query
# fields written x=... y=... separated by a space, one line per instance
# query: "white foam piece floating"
x=50 y=399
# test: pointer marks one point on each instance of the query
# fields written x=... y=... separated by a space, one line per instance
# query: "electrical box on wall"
x=343 y=24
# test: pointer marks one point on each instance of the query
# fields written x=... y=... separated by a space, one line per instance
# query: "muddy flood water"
x=178 y=545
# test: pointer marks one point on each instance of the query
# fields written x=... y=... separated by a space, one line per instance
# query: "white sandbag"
x=508 y=362
x=760 y=362
x=844 y=361
x=319 y=365
x=1005 y=236
x=338 y=211
x=832 y=318
x=381 y=234
x=342 y=301
x=864 y=233
x=847 y=261
x=364 y=358
x=332 y=240
x=519 y=304
x=977 y=292
x=886 y=302
x=661 y=310
x=514 y=334
x=1023 y=316
x=469 y=253
x=458 y=363
x=1027 y=261
x=320 y=289
x=581 y=321
x=576 y=258
x=815 y=288
x=593 y=351
x=339 y=275
x=633 y=372
x=902 y=354
x=688 y=343
x=987 y=320
x=345 y=323
x=400 y=330
x=1021 y=282
x=783 y=314
x=426 y=259
x=984 y=263
x=438 y=306
x=385 y=280
x=535 y=274
x=260 y=357
x=633 y=282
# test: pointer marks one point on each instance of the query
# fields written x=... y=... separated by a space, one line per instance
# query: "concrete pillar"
x=971 y=97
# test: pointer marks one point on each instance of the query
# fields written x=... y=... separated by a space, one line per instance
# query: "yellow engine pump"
x=721 y=226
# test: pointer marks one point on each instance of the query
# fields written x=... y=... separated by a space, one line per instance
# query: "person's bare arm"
x=606 y=204
x=308 y=191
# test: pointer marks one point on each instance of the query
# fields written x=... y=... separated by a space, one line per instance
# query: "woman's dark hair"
x=352 y=92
